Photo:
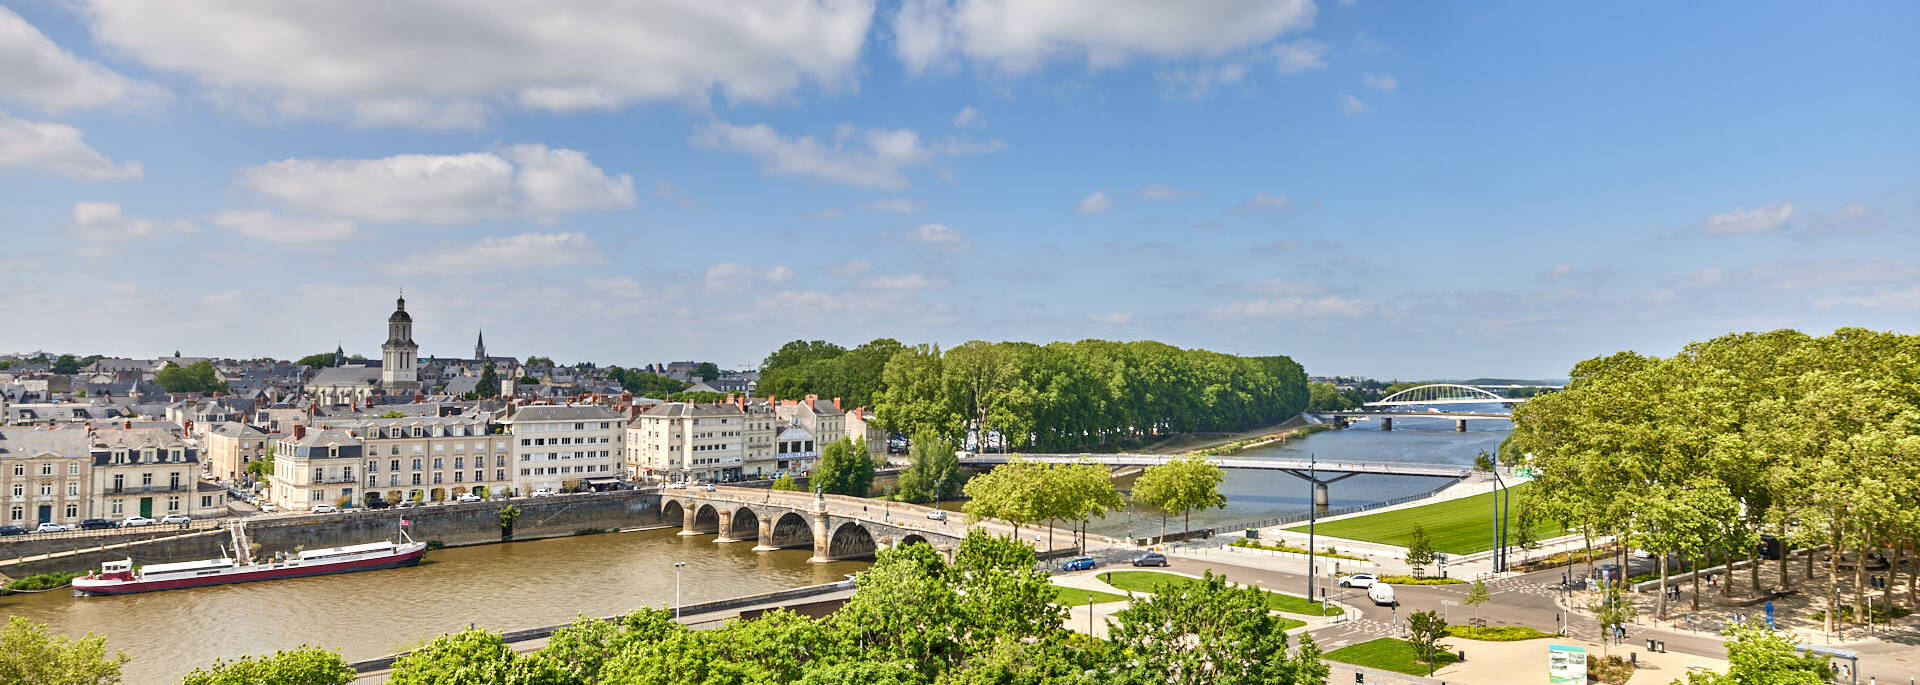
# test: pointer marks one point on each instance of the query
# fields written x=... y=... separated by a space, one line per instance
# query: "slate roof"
x=345 y=375
x=26 y=443
x=556 y=412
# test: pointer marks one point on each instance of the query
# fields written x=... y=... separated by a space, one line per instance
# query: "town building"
x=432 y=458
x=723 y=441
x=230 y=447
x=565 y=447
x=399 y=374
x=822 y=419
x=149 y=472
x=314 y=467
x=46 y=476
x=865 y=427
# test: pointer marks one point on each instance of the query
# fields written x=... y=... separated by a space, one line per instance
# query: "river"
x=364 y=615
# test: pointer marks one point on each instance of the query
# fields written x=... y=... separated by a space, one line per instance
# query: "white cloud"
x=939 y=235
x=1758 y=220
x=1295 y=308
x=1261 y=201
x=35 y=71
x=523 y=180
x=452 y=62
x=1095 y=203
x=1300 y=55
x=101 y=229
x=875 y=158
x=1352 y=105
x=280 y=228
x=849 y=269
x=1197 y=82
x=730 y=276
x=1017 y=37
x=912 y=281
x=56 y=148
x=1381 y=82
x=672 y=193
x=1156 y=191
x=969 y=117
x=519 y=252
x=902 y=205
x=1112 y=318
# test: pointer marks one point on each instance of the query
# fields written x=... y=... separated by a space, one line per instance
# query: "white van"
x=1382 y=595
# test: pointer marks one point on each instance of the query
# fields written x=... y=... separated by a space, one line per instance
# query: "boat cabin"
x=117 y=570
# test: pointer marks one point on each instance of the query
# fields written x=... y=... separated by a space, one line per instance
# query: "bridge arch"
x=913 y=539
x=850 y=541
x=706 y=519
x=744 y=525
x=1439 y=392
x=672 y=512
x=790 y=530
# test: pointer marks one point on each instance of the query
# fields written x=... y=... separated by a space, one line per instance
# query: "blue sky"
x=1387 y=189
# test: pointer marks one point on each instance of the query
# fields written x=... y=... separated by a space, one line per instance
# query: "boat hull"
x=85 y=588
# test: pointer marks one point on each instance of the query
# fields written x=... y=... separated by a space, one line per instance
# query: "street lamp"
x=676 y=589
x=1313 y=484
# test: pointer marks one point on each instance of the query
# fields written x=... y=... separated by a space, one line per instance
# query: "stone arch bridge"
x=836 y=527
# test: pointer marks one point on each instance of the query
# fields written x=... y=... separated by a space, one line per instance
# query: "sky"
x=1390 y=189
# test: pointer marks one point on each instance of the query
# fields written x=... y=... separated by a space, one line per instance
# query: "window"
x=17 y=514
x=174 y=481
x=396 y=452
x=479 y=476
x=458 y=477
x=459 y=462
x=119 y=482
x=19 y=490
x=206 y=501
x=117 y=507
x=499 y=474
x=173 y=503
x=176 y=456
x=73 y=511
x=436 y=479
x=73 y=469
x=46 y=469
x=373 y=481
x=416 y=479
x=438 y=463
x=419 y=448
x=416 y=464
x=146 y=480
x=73 y=489
x=396 y=464
x=19 y=469
x=373 y=466
x=500 y=460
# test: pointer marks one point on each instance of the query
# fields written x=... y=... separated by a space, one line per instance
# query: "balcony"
x=146 y=489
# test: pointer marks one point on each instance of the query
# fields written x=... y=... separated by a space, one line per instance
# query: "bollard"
x=1359 y=679
x=1663 y=646
x=1633 y=658
x=1650 y=644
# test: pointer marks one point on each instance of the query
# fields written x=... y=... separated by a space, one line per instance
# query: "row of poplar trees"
x=1815 y=440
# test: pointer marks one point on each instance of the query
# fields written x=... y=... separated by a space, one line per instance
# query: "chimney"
x=126 y=425
x=811 y=398
x=836 y=404
x=299 y=431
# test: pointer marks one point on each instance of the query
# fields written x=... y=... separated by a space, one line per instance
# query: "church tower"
x=480 y=347
x=398 y=374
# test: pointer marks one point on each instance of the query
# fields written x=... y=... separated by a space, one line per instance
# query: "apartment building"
x=823 y=419
x=433 y=458
x=228 y=449
x=680 y=441
x=314 y=467
x=149 y=472
x=46 y=476
x=564 y=447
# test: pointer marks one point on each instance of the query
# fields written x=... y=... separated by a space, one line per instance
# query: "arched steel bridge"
x=1287 y=465
x=1452 y=393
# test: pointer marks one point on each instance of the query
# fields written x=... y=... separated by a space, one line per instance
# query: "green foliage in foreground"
x=30 y=654
x=1076 y=597
x=1391 y=654
x=1456 y=526
x=785 y=482
x=844 y=469
x=303 y=666
x=1756 y=656
x=41 y=581
x=1497 y=633
x=1155 y=581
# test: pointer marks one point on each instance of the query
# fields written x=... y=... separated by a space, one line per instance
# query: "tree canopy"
x=196 y=377
x=933 y=469
x=1179 y=487
x=29 y=653
x=843 y=469
x=818 y=367
x=302 y=666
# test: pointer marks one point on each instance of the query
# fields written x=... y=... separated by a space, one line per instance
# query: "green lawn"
x=1497 y=633
x=1390 y=654
x=1460 y=526
x=1152 y=581
x=1076 y=597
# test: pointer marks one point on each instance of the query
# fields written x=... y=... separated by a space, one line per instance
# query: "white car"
x=137 y=521
x=936 y=515
x=468 y=497
x=1359 y=580
x=703 y=487
x=51 y=527
x=542 y=492
x=1382 y=595
x=676 y=485
x=325 y=509
x=268 y=507
x=176 y=518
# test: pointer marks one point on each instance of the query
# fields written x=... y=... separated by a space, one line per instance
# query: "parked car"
x=541 y=492
x=12 y=530
x=95 y=524
x=468 y=497
x=51 y=527
x=676 y=485
x=703 y=487
x=378 y=503
x=325 y=509
x=936 y=515
x=1078 y=564
x=268 y=507
x=1150 y=559
x=407 y=504
x=1382 y=595
x=1359 y=580
x=172 y=518
x=137 y=521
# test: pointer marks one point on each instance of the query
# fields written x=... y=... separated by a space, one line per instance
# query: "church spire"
x=480 y=346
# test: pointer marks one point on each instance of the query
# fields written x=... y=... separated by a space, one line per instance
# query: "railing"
x=146 y=489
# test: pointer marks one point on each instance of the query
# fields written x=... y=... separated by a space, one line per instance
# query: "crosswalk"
x=1521 y=586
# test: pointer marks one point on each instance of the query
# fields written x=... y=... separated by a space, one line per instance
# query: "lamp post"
x=1313 y=483
x=676 y=589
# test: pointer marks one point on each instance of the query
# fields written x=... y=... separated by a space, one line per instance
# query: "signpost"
x=1566 y=665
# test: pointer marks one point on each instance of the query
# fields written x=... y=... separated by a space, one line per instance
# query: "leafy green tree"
x=1419 y=550
x=1426 y=628
x=262 y=467
x=489 y=384
x=785 y=482
x=528 y=380
x=863 y=673
x=1477 y=595
x=1756 y=656
x=843 y=469
x=66 y=364
x=29 y=653
x=472 y=657
x=318 y=361
x=1209 y=633
x=508 y=515
x=1325 y=397
x=913 y=396
x=1611 y=607
x=707 y=371
x=1483 y=462
x=1006 y=493
x=933 y=469
x=906 y=608
x=196 y=377
x=1179 y=487
x=302 y=666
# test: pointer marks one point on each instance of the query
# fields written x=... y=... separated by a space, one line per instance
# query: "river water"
x=546 y=582
x=364 y=615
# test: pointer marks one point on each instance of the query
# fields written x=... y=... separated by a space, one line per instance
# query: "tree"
x=1756 y=656
x=1209 y=633
x=707 y=371
x=472 y=657
x=1476 y=596
x=319 y=360
x=1611 y=607
x=1180 y=486
x=1426 y=628
x=66 y=364
x=1325 y=397
x=508 y=515
x=261 y=468
x=582 y=649
x=302 y=666
x=844 y=469
x=489 y=384
x=1419 y=550
x=785 y=482
x=196 y=377
x=30 y=654
x=863 y=673
x=1483 y=462
x=528 y=380
x=933 y=469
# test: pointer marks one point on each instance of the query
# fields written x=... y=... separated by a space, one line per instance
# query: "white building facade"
x=564 y=447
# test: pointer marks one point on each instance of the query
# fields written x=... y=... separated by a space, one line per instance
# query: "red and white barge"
x=120 y=577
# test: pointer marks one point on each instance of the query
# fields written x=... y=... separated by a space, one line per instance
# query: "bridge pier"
x=1460 y=425
x=765 y=542
x=726 y=526
x=822 y=540
x=1320 y=498
x=687 y=512
x=1386 y=423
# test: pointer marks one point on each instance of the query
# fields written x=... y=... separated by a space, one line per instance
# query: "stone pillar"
x=1386 y=423
x=726 y=527
x=1460 y=425
x=1320 y=495
x=687 y=512
x=822 y=540
x=765 y=542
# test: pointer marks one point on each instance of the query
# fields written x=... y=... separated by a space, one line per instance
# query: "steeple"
x=480 y=346
x=398 y=357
